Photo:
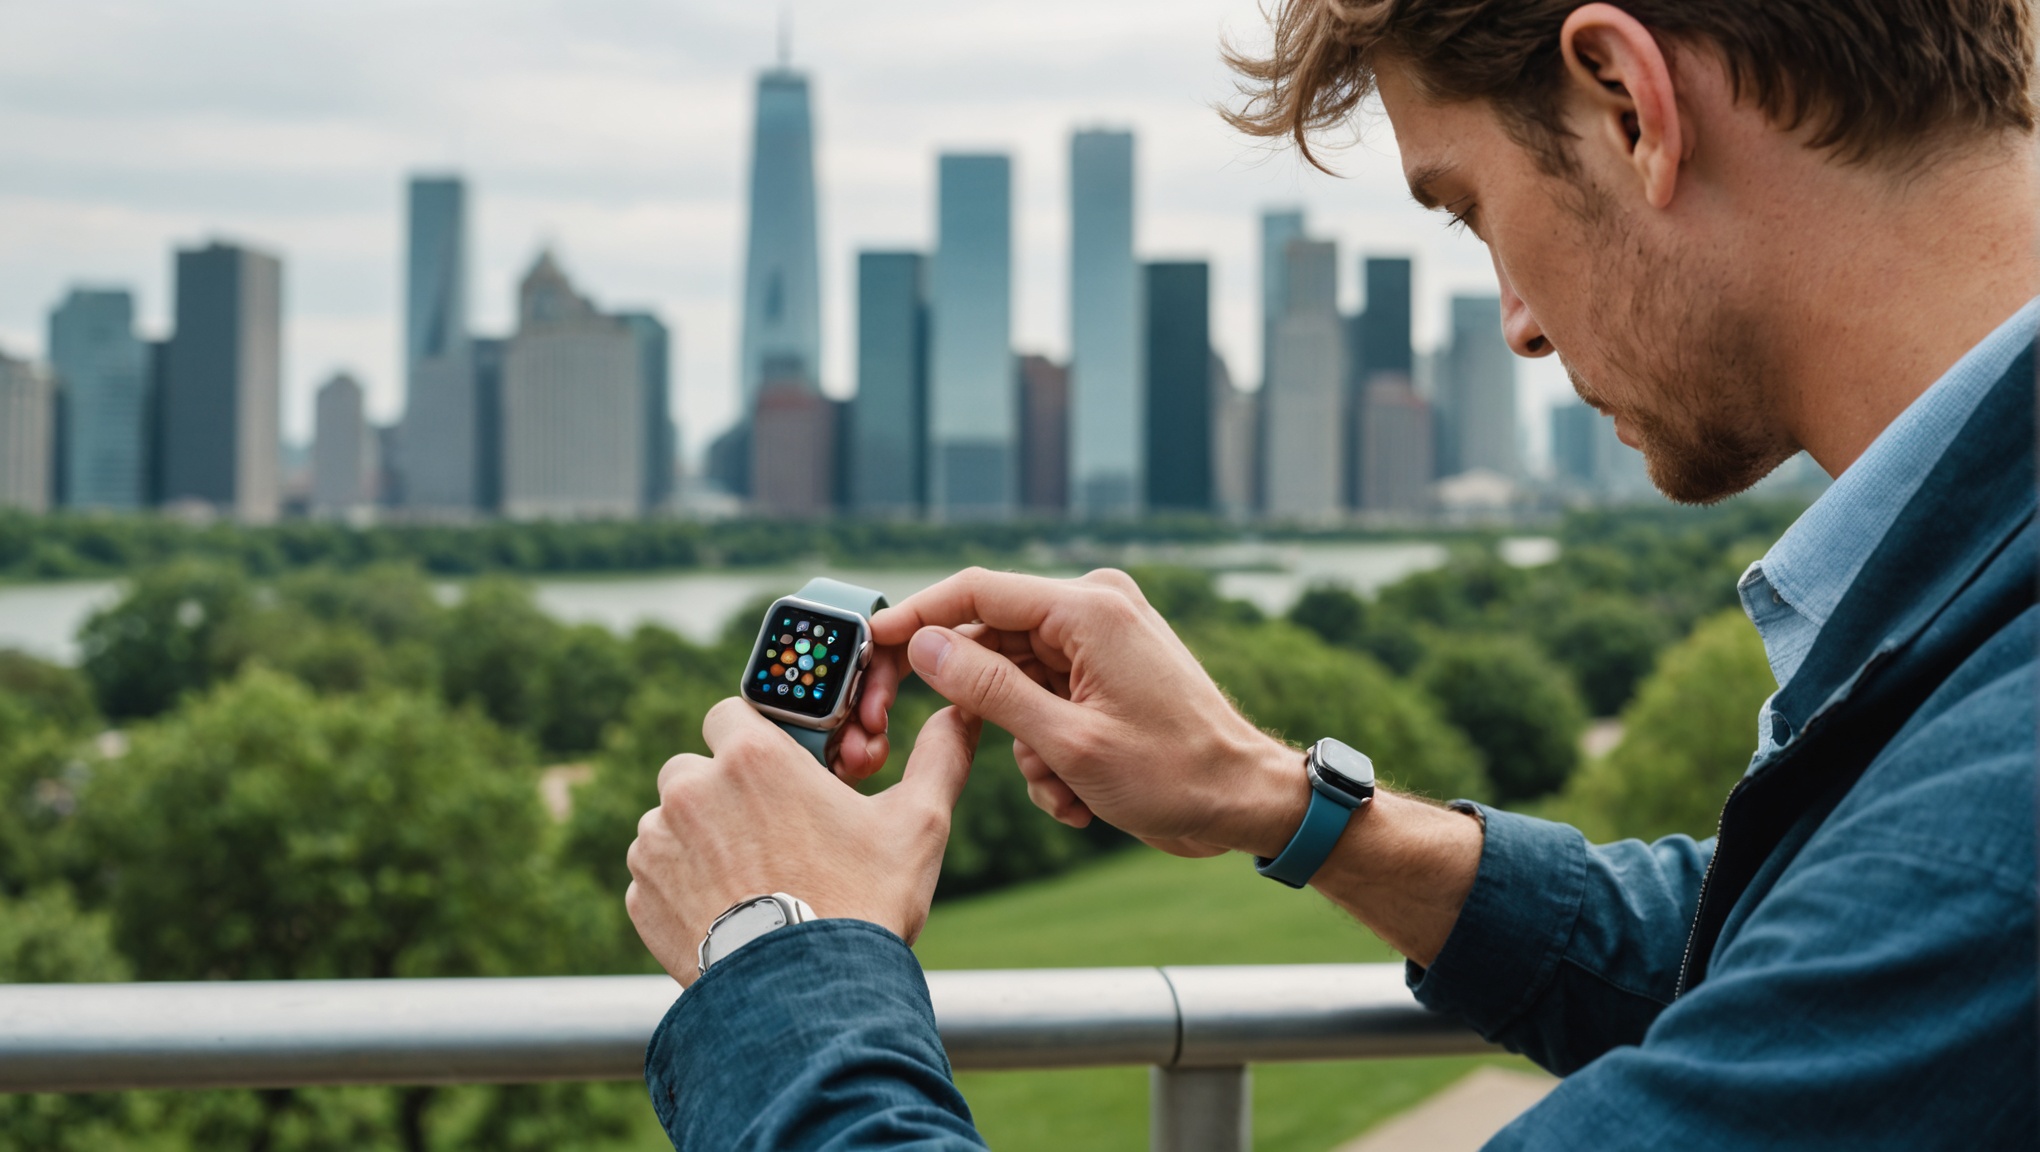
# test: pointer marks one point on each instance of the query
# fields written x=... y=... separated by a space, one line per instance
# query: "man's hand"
x=1111 y=714
x=759 y=816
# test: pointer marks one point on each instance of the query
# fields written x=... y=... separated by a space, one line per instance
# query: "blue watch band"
x=1323 y=823
x=847 y=597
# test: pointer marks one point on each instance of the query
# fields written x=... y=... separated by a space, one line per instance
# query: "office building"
x=1278 y=228
x=972 y=414
x=887 y=470
x=1304 y=402
x=221 y=393
x=782 y=311
x=1573 y=444
x=1107 y=386
x=572 y=407
x=794 y=437
x=1477 y=393
x=1397 y=467
x=1044 y=436
x=102 y=370
x=1378 y=346
x=1179 y=389
x=488 y=354
x=27 y=433
x=441 y=429
x=343 y=449
x=655 y=356
x=1236 y=438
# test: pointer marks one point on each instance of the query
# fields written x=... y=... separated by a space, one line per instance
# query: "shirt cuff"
x=1503 y=952
x=759 y=1019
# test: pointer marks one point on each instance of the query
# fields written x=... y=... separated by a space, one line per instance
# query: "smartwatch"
x=809 y=661
x=745 y=921
x=1341 y=780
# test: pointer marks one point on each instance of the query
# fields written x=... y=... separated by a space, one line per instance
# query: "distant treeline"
x=64 y=545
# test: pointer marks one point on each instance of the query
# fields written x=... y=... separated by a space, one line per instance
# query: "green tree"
x=497 y=647
x=1301 y=688
x=1686 y=740
x=1343 y=618
x=1609 y=643
x=58 y=694
x=179 y=629
x=1517 y=707
x=584 y=685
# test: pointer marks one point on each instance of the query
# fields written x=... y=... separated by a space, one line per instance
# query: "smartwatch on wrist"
x=1341 y=781
x=809 y=661
x=745 y=921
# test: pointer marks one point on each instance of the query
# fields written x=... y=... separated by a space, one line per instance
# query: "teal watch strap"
x=1323 y=823
x=845 y=597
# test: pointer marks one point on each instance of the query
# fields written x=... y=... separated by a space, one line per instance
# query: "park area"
x=323 y=766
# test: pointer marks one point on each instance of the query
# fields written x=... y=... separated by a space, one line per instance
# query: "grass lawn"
x=1142 y=907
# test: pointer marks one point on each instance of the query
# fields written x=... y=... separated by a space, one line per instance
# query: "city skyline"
x=648 y=210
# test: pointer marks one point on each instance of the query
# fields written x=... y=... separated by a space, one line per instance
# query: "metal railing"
x=1199 y=1027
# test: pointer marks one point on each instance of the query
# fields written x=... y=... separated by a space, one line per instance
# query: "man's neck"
x=1889 y=284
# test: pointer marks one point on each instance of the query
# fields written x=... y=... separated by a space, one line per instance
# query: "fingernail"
x=927 y=650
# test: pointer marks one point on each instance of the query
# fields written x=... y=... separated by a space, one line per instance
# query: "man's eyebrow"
x=1423 y=178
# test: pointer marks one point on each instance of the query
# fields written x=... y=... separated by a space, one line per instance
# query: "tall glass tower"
x=782 y=266
x=103 y=368
x=1106 y=401
x=973 y=418
x=441 y=422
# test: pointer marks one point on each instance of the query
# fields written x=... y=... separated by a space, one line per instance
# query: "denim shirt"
x=1867 y=981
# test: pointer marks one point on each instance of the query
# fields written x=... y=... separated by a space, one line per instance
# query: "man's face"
x=1649 y=317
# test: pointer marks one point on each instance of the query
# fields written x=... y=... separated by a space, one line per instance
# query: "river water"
x=44 y=618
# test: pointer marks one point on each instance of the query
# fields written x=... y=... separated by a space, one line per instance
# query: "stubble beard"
x=1691 y=360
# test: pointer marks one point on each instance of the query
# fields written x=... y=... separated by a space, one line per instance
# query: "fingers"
x=859 y=753
x=1005 y=600
x=732 y=720
x=1047 y=791
x=881 y=688
x=987 y=684
x=940 y=763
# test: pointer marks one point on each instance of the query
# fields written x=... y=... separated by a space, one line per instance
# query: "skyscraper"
x=1278 y=228
x=1477 y=391
x=27 y=402
x=220 y=403
x=573 y=407
x=1572 y=443
x=1397 y=468
x=343 y=449
x=1236 y=439
x=782 y=312
x=972 y=414
x=488 y=353
x=655 y=355
x=1379 y=348
x=794 y=441
x=102 y=367
x=441 y=429
x=1179 y=386
x=1044 y=436
x=1304 y=400
x=889 y=418
x=1107 y=424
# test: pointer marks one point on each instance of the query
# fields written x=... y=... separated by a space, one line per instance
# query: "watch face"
x=804 y=660
x=1344 y=768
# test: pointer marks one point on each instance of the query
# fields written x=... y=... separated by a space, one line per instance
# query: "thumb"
x=985 y=683
x=940 y=762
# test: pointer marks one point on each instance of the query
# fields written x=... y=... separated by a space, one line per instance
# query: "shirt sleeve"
x=817 y=1037
x=1566 y=950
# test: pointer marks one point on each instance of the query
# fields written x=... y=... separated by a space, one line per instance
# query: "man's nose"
x=1520 y=328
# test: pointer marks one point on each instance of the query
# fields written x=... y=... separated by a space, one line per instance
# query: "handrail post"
x=1200 y=1109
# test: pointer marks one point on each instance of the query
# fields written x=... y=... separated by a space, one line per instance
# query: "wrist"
x=1265 y=798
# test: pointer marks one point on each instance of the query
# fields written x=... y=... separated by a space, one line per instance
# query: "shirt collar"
x=1812 y=565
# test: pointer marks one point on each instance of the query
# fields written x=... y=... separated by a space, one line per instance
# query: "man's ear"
x=1618 y=68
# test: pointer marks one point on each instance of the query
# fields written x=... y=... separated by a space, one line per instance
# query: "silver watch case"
x=745 y=921
x=844 y=702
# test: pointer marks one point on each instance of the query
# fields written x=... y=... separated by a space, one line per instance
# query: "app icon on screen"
x=799 y=691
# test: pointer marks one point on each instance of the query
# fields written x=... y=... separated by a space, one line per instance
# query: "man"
x=1750 y=227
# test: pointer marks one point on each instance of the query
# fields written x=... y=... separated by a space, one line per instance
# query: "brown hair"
x=1871 y=79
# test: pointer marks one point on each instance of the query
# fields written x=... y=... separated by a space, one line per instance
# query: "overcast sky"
x=618 y=132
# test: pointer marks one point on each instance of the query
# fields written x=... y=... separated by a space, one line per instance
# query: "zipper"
x=1706 y=879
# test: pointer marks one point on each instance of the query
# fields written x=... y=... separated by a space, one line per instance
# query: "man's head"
x=1652 y=177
